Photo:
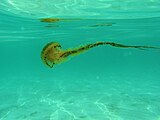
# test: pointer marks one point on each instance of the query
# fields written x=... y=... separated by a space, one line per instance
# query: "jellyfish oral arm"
x=82 y=49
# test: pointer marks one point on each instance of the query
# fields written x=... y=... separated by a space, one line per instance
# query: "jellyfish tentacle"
x=89 y=46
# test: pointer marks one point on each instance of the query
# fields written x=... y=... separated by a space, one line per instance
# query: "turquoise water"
x=105 y=83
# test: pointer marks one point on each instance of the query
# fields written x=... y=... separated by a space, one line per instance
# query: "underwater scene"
x=79 y=60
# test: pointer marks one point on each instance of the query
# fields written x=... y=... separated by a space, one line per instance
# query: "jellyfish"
x=53 y=53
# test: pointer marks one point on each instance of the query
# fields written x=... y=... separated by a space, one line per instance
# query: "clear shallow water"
x=105 y=83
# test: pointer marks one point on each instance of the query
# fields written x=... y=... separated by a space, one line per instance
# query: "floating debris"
x=52 y=20
x=48 y=20
x=51 y=26
x=102 y=25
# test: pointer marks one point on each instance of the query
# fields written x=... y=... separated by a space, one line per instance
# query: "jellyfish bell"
x=50 y=53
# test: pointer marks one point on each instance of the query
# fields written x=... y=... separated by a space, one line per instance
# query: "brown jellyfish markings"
x=53 y=54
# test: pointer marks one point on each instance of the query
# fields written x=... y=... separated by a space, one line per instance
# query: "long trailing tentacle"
x=89 y=46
